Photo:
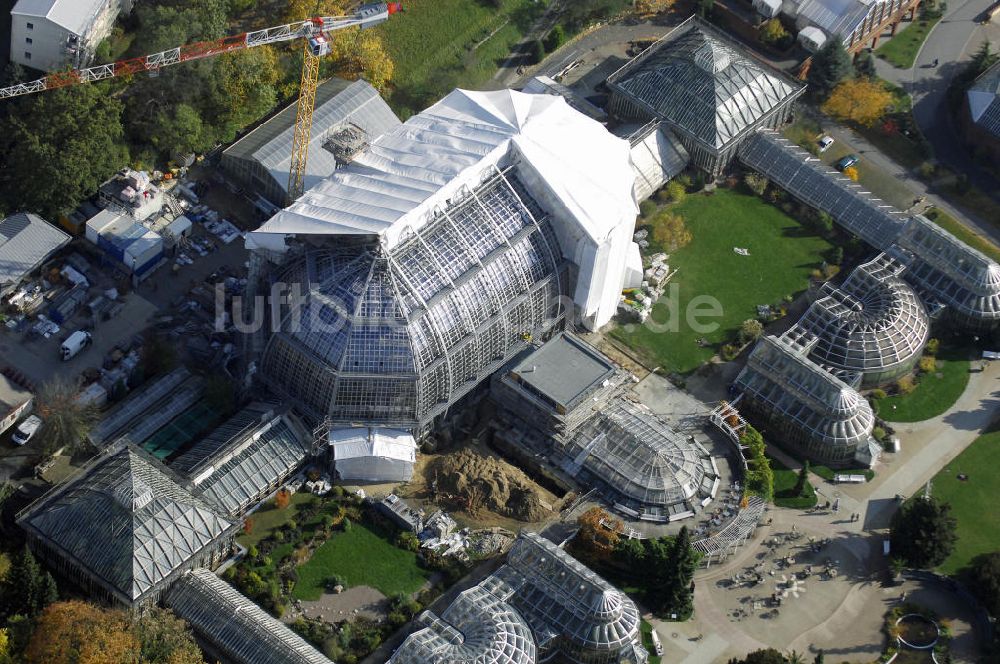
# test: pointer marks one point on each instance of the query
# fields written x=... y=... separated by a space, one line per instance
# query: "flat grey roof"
x=564 y=370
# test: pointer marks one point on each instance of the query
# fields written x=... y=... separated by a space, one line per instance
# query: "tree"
x=179 y=131
x=852 y=173
x=26 y=589
x=800 y=481
x=298 y=10
x=793 y=657
x=923 y=532
x=65 y=421
x=596 y=538
x=580 y=13
x=767 y=656
x=683 y=563
x=864 y=65
x=756 y=183
x=282 y=499
x=57 y=148
x=249 y=81
x=648 y=8
x=750 y=330
x=536 y=51
x=676 y=191
x=166 y=639
x=984 y=580
x=773 y=32
x=555 y=38
x=858 y=100
x=830 y=65
x=818 y=659
x=670 y=231
x=361 y=53
x=79 y=633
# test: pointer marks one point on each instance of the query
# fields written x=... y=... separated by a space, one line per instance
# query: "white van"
x=74 y=344
x=26 y=430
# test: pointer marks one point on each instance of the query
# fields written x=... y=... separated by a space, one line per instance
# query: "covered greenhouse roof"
x=235 y=627
x=870 y=323
x=364 y=442
x=984 y=100
x=702 y=83
x=127 y=521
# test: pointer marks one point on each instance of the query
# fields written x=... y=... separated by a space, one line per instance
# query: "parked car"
x=846 y=162
x=26 y=430
x=74 y=344
x=825 y=142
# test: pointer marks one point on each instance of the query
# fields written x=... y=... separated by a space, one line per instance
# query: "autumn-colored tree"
x=361 y=53
x=79 y=633
x=670 y=231
x=249 y=79
x=852 y=173
x=772 y=31
x=166 y=639
x=599 y=532
x=282 y=499
x=858 y=100
x=299 y=10
x=247 y=525
x=647 y=8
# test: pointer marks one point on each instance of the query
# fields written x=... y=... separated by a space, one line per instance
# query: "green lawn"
x=972 y=500
x=782 y=254
x=901 y=50
x=784 y=485
x=935 y=393
x=440 y=44
x=360 y=558
x=964 y=233
x=268 y=518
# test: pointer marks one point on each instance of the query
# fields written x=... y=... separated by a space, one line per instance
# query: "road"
x=950 y=43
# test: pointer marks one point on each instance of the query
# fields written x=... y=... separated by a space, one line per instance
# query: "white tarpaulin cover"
x=373 y=454
x=578 y=172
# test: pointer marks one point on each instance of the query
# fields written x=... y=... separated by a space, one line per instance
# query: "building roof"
x=649 y=467
x=241 y=460
x=703 y=84
x=780 y=377
x=390 y=336
x=810 y=180
x=563 y=370
x=657 y=156
x=339 y=103
x=26 y=240
x=870 y=323
x=476 y=628
x=407 y=175
x=74 y=15
x=12 y=396
x=235 y=626
x=837 y=17
x=566 y=607
x=364 y=442
x=126 y=520
x=984 y=100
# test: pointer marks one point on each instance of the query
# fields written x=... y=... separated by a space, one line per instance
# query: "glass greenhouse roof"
x=697 y=80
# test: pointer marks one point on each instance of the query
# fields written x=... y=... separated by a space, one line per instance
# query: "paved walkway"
x=951 y=43
x=843 y=615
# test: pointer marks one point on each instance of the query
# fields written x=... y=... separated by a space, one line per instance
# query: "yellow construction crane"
x=314 y=32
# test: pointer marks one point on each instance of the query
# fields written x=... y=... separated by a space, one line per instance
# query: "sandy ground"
x=353 y=602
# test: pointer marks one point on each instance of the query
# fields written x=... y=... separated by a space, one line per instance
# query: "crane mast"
x=314 y=33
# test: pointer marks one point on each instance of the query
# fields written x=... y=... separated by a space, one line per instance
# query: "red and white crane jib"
x=366 y=17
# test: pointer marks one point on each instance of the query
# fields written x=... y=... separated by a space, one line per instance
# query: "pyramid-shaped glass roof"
x=127 y=521
x=698 y=81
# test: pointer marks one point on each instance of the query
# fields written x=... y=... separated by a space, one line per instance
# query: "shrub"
x=906 y=384
x=555 y=38
x=932 y=347
x=755 y=183
x=676 y=191
x=851 y=173
x=878 y=433
x=750 y=330
x=407 y=541
x=346 y=525
x=647 y=208
x=927 y=170
x=927 y=364
x=282 y=499
x=536 y=51
x=728 y=352
x=685 y=181
x=773 y=32
x=879 y=394
x=670 y=231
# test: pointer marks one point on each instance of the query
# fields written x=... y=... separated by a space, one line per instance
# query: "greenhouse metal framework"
x=247 y=458
x=872 y=326
x=126 y=528
x=396 y=336
x=647 y=469
x=707 y=89
x=235 y=628
x=571 y=615
x=820 y=414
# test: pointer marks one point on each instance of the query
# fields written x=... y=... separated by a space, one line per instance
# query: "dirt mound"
x=473 y=482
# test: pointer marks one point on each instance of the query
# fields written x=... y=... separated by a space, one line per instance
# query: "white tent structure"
x=812 y=38
x=577 y=172
x=371 y=454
